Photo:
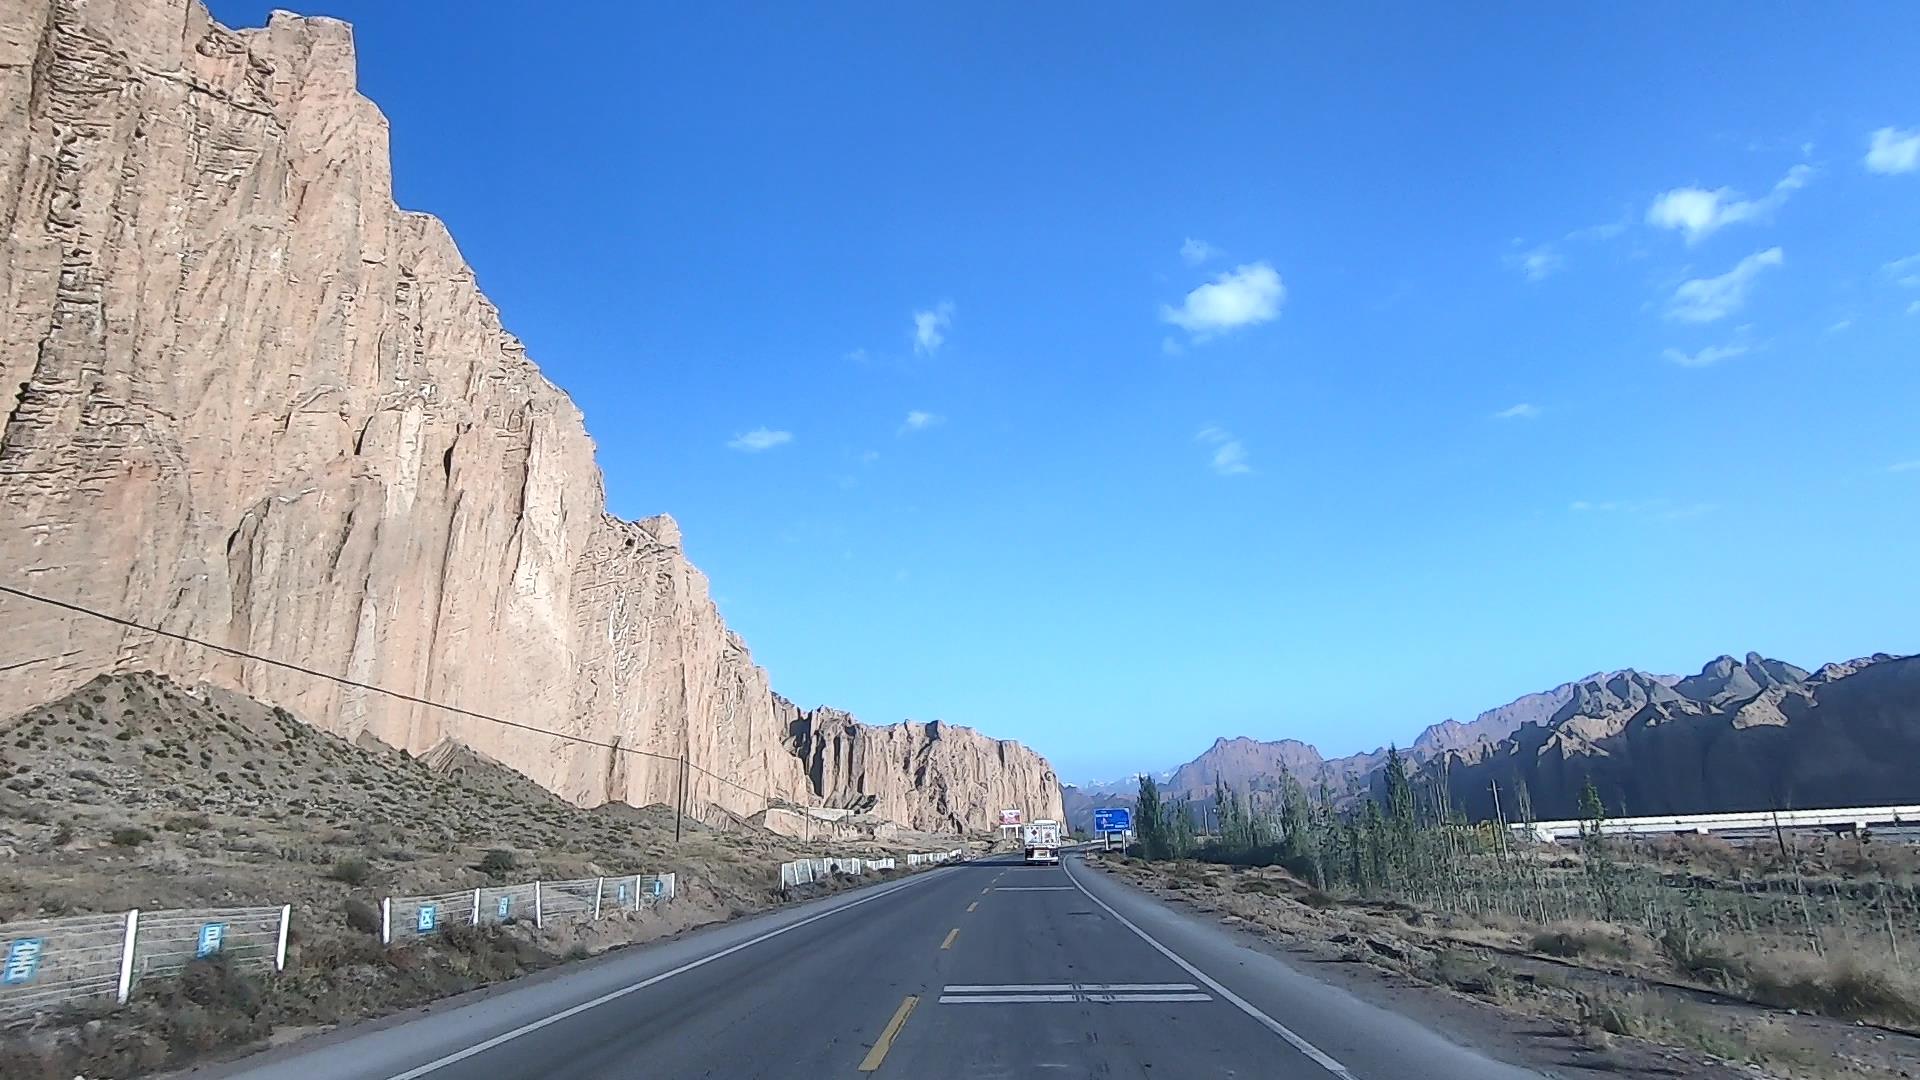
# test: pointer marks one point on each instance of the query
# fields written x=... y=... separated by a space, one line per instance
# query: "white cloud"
x=1905 y=271
x=1244 y=296
x=1698 y=212
x=1706 y=357
x=1707 y=299
x=1904 y=466
x=1914 y=308
x=1229 y=454
x=1196 y=252
x=920 y=421
x=930 y=327
x=1522 y=411
x=1892 y=150
x=759 y=439
x=858 y=356
x=1840 y=326
x=1539 y=264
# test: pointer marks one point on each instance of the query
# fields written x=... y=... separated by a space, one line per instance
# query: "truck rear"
x=1042 y=842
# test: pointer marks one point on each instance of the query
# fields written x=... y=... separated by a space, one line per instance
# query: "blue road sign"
x=426 y=920
x=23 y=961
x=1112 y=819
x=659 y=887
x=212 y=936
x=505 y=906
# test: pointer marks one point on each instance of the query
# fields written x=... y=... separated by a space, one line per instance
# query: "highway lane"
x=987 y=969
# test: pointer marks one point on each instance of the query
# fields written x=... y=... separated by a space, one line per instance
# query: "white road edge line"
x=1318 y=1056
x=524 y=1029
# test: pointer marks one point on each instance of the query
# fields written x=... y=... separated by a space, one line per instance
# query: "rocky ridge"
x=252 y=402
x=1744 y=734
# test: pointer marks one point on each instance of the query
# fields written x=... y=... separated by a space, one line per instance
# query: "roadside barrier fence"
x=45 y=963
x=407 y=918
x=808 y=871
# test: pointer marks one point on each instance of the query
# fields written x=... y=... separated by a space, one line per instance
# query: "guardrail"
x=48 y=962
x=408 y=918
x=1858 y=818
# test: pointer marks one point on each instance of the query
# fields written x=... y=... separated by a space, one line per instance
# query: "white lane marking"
x=1319 y=1057
x=524 y=1029
x=1042 y=988
x=1063 y=999
x=1033 y=888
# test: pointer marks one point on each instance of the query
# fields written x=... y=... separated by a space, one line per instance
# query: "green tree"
x=1603 y=874
x=1149 y=820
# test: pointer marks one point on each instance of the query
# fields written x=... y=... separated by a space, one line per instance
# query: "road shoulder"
x=1369 y=1017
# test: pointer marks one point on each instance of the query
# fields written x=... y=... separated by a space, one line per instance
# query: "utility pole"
x=680 y=804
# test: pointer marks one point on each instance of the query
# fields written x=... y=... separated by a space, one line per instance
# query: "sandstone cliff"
x=251 y=401
x=929 y=776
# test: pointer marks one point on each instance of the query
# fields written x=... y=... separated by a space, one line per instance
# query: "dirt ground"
x=1486 y=987
x=136 y=792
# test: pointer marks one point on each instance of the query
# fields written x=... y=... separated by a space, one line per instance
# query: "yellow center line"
x=951 y=934
x=973 y=905
x=879 y=1052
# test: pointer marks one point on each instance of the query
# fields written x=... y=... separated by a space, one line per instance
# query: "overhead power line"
x=81 y=609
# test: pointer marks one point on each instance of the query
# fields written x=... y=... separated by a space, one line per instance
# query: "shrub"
x=1570 y=939
x=187 y=823
x=497 y=863
x=352 y=870
x=361 y=915
x=1698 y=958
x=130 y=836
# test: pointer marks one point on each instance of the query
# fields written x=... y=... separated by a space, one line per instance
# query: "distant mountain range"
x=1654 y=744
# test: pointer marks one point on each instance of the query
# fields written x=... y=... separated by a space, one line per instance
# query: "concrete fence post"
x=386 y=921
x=599 y=887
x=476 y=907
x=539 y=917
x=126 y=956
x=280 y=951
x=636 y=892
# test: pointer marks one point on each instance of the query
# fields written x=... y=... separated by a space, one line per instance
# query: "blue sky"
x=1112 y=378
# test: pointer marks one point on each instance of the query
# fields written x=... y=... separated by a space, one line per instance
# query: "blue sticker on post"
x=23 y=961
x=659 y=886
x=505 y=905
x=622 y=894
x=424 y=923
x=212 y=936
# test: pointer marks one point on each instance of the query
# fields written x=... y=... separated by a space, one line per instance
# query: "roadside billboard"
x=1011 y=817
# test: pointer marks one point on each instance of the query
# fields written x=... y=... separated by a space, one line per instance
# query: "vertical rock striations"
x=248 y=400
x=930 y=776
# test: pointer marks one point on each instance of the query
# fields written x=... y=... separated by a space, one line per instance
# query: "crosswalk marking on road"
x=1069 y=993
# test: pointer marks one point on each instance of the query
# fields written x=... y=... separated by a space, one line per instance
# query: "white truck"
x=1042 y=841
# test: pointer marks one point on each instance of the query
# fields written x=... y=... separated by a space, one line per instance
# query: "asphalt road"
x=982 y=970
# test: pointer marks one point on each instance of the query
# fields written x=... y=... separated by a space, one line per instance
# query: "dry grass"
x=1850 y=985
x=1581 y=937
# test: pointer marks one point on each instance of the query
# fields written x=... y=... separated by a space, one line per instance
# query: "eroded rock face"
x=931 y=776
x=250 y=401
x=1752 y=735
